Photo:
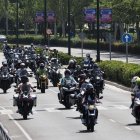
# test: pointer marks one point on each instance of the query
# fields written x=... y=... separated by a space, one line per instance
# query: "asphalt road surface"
x=50 y=120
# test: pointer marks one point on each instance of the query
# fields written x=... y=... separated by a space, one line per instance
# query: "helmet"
x=71 y=61
x=24 y=79
x=95 y=66
x=46 y=47
x=4 y=63
x=87 y=55
x=67 y=71
x=89 y=87
x=22 y=65
x=53 y=60
x=42 y=65
x=32 y=44
x=138 y=81
x=78 y=67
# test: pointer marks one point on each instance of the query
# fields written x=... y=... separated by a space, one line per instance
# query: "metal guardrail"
x=3 y=133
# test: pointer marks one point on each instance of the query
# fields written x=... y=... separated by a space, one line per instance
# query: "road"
x=50 y=120
x=104 y=55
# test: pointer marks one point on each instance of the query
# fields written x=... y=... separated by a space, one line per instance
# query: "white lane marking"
x=18 y=125
x=128 y=128
x=52 y=110
x=122 y=107
x=112 y=120
x=6 y=112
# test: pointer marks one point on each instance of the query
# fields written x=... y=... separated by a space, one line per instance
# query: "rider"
x=41 y=71
x=89 y=96
x=46 y=51
x=72 y=65
x=4 y=67
x=24 y=86
x=136 y=91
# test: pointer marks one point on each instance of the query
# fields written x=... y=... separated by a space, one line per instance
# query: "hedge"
x=120 y=72
x=75 y=43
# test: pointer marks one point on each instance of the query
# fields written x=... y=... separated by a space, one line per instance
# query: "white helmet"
x=71 y=61
x=133 y=81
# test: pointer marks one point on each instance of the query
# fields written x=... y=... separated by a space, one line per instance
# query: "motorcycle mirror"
x=101 y=97
x=132 y=94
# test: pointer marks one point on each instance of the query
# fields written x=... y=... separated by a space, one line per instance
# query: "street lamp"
x=98 y=32
x=69 y=45
x=45 y=21
x=17 y=22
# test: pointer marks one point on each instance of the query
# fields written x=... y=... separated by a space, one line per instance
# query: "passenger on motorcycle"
x=22 y=71
x=89 y=96
x=41 y=71
x=68 y=78
x=136 y=90
x=46 y=51
x=24 y=86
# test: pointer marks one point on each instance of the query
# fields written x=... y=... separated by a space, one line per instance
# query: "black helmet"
x=24 y=79
x=89 y=87
x=53 y=60
x=88 y=55
x=4 y=63
x=67 y=71
x=42 y=65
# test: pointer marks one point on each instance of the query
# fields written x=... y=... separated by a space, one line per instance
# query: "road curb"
x=3 y=133
x=117 y=85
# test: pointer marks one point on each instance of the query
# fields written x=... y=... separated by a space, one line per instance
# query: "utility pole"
x=6 y=16
x=45 y=21
x=17 y=23
x=69 y=43
x=98 y=32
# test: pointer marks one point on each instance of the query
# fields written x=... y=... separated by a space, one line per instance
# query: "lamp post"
x=69 y=45
x=98 y=30
x=45 y=21
x=17 y=22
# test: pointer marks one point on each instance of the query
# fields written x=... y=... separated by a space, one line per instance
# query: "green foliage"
x=120 y=72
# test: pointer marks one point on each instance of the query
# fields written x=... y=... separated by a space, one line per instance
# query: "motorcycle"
x=67 y=95
x=43 y=83
x=98 y=83
x=5 y=81
x=90 y=116
x=54 y=76
x=136 y=108
x=25 y=100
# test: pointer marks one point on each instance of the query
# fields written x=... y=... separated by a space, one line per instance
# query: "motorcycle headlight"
x=91 y=107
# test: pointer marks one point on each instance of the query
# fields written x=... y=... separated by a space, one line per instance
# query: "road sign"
x=49 y=31
x=126 y=38
x=82 y=36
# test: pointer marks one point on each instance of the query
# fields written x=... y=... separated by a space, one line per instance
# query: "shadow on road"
x=73 y=117
x=84 y=131
x=132 y=124
x=63 y=108
x=21 y=119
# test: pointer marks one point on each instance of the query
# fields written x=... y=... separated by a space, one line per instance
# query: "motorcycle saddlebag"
x=15 y=97
x=34 y=97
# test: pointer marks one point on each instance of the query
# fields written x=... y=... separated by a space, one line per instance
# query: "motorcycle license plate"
x=92 y=113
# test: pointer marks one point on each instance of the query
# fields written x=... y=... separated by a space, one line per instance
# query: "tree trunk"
x=6 y=15
x=138 y=31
